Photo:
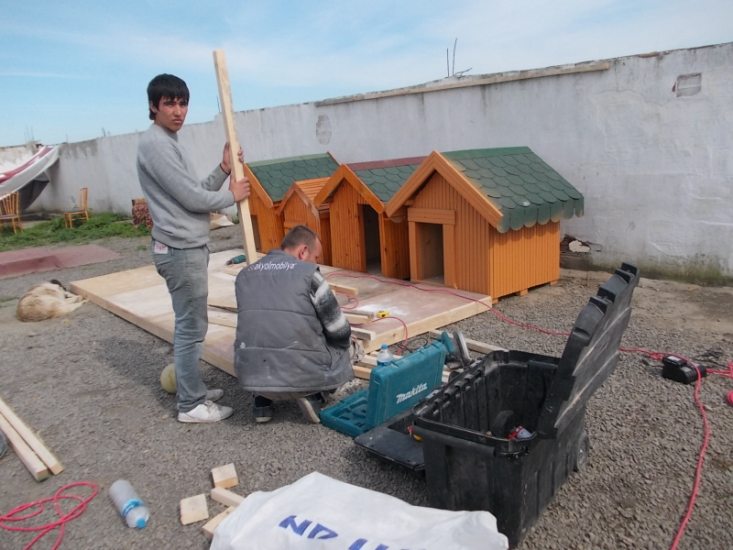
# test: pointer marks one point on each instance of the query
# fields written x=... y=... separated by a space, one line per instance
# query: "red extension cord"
x=8 y=521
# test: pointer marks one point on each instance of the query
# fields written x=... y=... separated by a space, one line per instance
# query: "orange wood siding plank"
x=347 y=231
x=431 y=215
x=395 y=253
x=449 y=255
x=415 y=274
x=324 y=230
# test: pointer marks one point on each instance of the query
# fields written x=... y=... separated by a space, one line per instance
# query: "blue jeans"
x=185 y=273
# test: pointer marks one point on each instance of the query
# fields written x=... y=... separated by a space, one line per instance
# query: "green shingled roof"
x=520 y=184
x=386 y=181
x=277 y=175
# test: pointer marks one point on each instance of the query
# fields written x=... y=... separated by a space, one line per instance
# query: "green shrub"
x=99 y=226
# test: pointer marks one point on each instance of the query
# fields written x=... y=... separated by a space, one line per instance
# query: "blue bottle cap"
x=141 y=522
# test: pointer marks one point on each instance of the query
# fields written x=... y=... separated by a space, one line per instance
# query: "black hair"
x=165 y=85
x=300 y=234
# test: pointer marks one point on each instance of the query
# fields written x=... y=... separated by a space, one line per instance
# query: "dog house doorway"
x=372 y=244
x=429 y=253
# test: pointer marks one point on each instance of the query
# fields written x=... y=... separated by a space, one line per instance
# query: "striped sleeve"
x=335 y=326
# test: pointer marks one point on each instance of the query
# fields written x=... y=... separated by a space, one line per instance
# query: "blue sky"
x=77 y=70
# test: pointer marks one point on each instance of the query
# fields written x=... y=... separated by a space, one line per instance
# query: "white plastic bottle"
x=128 y=504
x=384 y=357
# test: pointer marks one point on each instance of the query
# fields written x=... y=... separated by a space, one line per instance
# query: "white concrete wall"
x=656 y=169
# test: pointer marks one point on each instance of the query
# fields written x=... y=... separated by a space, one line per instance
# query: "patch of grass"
x=99 y=226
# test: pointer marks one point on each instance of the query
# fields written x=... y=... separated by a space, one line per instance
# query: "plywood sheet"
x=140 y=297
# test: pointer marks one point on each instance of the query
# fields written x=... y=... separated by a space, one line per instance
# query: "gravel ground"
x=89 y=384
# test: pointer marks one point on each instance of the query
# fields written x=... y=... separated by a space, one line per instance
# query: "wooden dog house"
x=270 y=180
x=362 y=237
x=486 y=220
x=298 y=207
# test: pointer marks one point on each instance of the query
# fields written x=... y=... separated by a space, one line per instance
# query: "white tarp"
x=320 y=513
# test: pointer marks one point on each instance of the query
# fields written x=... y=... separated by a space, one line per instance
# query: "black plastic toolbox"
x=471 y=460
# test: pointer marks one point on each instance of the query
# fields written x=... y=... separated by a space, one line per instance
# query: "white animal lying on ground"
x=47 y=300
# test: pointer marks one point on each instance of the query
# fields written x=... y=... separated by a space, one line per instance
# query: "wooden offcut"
x=226 y=497
x=225 y=476
x=237 y=173
x=210 y=526
x=30 y=459
x=31 y=439
x=194 y=509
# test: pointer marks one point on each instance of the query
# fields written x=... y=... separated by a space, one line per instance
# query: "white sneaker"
x=214 y=395
x=205 y=412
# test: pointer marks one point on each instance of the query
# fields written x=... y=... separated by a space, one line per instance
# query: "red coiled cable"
x=39 y=506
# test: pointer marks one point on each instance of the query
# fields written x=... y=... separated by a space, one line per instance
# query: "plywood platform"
x=140 y=297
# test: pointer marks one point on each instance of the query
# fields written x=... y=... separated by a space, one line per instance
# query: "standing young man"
x=180 y=205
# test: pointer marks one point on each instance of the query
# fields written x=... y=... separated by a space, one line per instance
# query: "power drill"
x=680 y=370
x=237 y=259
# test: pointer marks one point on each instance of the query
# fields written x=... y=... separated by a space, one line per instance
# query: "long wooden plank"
x=225 y=95
x=30 y=460
x=31 y=439
x=223 y=318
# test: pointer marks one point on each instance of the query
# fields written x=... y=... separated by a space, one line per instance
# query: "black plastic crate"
x=472 y=462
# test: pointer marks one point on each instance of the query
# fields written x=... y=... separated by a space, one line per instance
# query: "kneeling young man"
x=292 y=341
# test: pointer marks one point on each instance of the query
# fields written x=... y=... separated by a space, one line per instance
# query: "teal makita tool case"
x=393 y=388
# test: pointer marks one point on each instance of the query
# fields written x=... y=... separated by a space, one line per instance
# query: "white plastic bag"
x=318 y=512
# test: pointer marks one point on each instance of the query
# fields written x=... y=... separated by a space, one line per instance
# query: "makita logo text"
x=412 y=393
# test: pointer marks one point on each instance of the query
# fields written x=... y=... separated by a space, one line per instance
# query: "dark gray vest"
x=280 y=345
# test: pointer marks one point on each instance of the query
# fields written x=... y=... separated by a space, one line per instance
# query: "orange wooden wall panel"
x=269 y=224
x=525 y=258
x=296 y=212
x=324 y=225
x=347 y=229
x=395 y=247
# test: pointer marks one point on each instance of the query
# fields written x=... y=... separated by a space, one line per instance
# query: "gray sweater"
x=178 y=202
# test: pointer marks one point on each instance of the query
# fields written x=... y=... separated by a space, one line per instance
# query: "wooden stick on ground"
x=26 y=455
x=210 y=526
x=31 y=439
x=225 y=95
x=226 y=497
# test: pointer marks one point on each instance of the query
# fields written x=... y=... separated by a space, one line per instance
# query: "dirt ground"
x=88 y=383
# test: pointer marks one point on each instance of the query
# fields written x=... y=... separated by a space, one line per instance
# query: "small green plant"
x=99 y=226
